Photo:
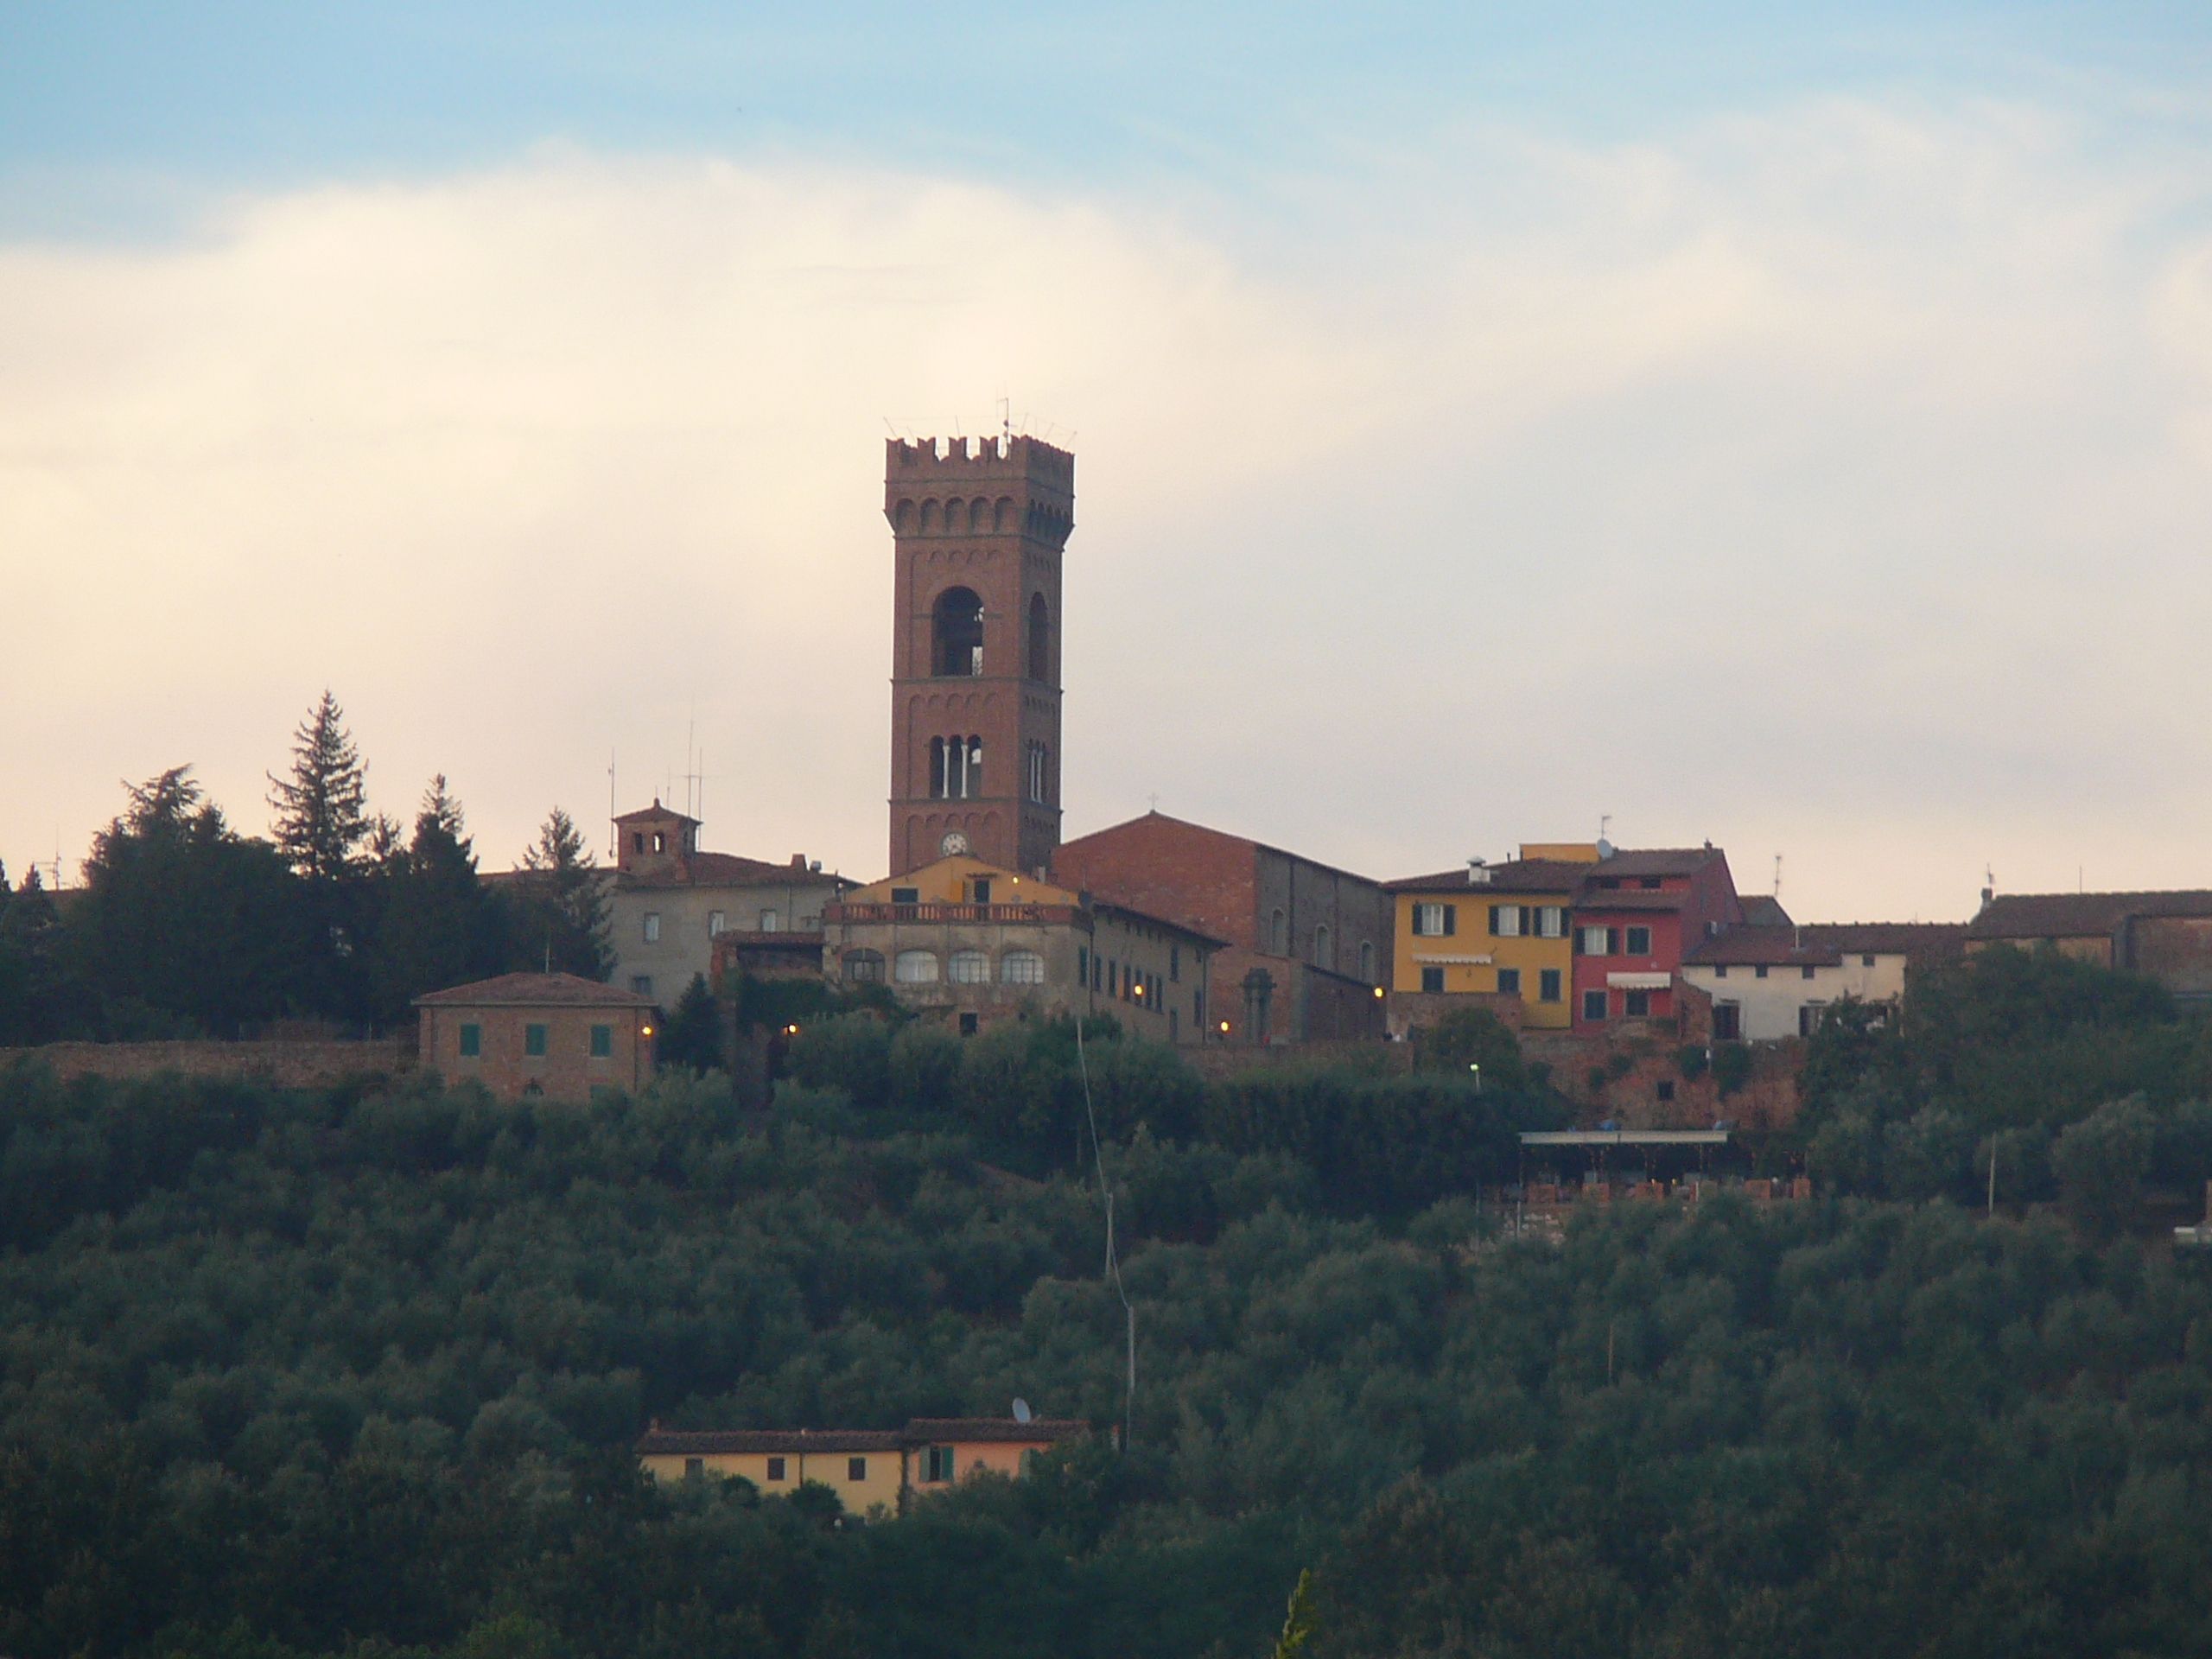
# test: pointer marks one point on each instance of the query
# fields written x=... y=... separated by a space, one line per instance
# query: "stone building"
x=670 y=902
x=550 y=1034
x=977 y=533
x=2167 y=936
x=975 y=943
x=1306 y=945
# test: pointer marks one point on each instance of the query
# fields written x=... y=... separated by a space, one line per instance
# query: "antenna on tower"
x=1604 y=824
x=1777 y=875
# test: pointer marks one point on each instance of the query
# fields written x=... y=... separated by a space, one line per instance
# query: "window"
x=694 y=1468
x=642 y=984
x=970 y=1024
x=1324 y=954
x=638 y=842
x=1279 y=935
x=1866 y=962
x=533 y=1040
x=1040 y=634
x=1082 y=965
x=1806 y=971
x=1432 y=980
x=958 y=624
x=472 y=1042
x=936 y=1462
x=1593 y=1005
x=979 y=890
x=1639 y=942
x=1505 y=921
x=1367 y=960
x=905 y=895
x=863 y=967
x=1175 y=963
x=775 y=1468
x=1609 y=881
x=1728 y=1022
x=1551 y=921
x=1548 y=985
x=1636 y=1005
x=968 y=968
x=1808 y=1018
x=602 y=1042
x=1720 y=971
x=1509 y=981
x=660 y=842
x=1651 y=884
x=653 y=927
x=1666 y=1089
x=1759 y=971
x=1039 y=766
x=1096 y=963
x=956 y=768
x=771 y=921
x=915 y=967
x=1595 y=941
x=856 y=1468
x=1022 y=967
x=717 y=923
x=1434 y=921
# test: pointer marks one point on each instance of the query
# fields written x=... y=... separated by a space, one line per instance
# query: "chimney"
x=1478 y=872
x=798 y=860
x=1987 y=894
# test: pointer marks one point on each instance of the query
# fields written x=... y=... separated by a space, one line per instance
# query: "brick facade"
x=1271 y=906
x=550 y=1034
x=975 y=649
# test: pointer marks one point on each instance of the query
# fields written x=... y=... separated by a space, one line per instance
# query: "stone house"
x=551 y=1035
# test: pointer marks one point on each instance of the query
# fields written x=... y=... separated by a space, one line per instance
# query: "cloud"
x=1829 y=482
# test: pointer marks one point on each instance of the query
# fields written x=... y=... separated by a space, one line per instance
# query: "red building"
x=1638 y=913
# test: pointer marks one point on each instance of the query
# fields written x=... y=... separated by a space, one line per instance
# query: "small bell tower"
x=977 y=530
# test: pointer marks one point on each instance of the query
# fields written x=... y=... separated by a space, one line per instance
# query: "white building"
x=668 y=901
x=1769 y=983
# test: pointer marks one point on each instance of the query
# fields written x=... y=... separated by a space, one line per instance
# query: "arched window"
x=1367 y=960
x=956 y=768
x=864 y=967
x=971 y=968
x=1324 y=955
x=1022 y=967
x=958 y=630
x=1040 y=639
x=915 y=967
x=1039 y=765
x=1279 y=935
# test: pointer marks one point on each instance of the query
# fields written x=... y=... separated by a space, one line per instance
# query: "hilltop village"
x=1604 y=962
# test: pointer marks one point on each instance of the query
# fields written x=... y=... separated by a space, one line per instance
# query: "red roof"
x=2078 y=915
x=535 y=991
x=1780 y=947
x=1515 y=875
x=695 y=1443
x=1001 y=1429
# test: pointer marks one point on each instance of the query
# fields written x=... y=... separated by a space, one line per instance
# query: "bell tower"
x=977 y=532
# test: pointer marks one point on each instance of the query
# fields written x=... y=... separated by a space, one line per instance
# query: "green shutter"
x=1451 y=918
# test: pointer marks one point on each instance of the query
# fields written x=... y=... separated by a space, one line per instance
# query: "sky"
x=1491 y=423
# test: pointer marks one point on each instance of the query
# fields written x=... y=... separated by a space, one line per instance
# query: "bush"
x=2101 y=1162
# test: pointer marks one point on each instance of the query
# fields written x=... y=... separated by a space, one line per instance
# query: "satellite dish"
x=1020 y=1411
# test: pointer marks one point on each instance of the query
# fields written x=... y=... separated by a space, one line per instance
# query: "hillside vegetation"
x=357 y=1373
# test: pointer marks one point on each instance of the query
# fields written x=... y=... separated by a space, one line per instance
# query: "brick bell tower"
x=978 y=533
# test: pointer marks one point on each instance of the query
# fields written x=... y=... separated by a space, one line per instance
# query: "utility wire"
x=1113 y=1262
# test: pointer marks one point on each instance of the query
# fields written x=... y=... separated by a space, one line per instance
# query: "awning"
x=1639 y=981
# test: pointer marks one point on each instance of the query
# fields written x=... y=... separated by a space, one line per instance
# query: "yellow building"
x=1493 y=931
x=872 y=1472
x=973 y=945
x=866 y=1469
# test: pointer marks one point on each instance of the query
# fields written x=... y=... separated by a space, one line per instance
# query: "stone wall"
x=287 y=1066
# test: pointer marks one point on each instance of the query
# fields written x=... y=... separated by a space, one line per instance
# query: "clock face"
x=954 y=844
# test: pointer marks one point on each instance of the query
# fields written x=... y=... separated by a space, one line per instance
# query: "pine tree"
x=437 y=925
x=560 y=920
x=321 y=809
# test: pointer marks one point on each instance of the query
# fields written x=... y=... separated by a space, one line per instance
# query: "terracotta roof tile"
x=698 y=1442
x=996 y=1428
x=535 y=991
x=1657 y=861
x=2076 y=915
x=1769 y=946
x=1515 y=875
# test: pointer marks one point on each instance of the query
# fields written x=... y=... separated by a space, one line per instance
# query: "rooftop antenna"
x=1777 y=875
x=614 y=835
x=1605 y=825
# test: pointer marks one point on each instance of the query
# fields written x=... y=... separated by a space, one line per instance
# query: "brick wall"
x=287 y=1066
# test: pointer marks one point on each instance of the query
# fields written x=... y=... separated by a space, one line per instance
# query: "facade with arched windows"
x=978 y=535
x=975 y=943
